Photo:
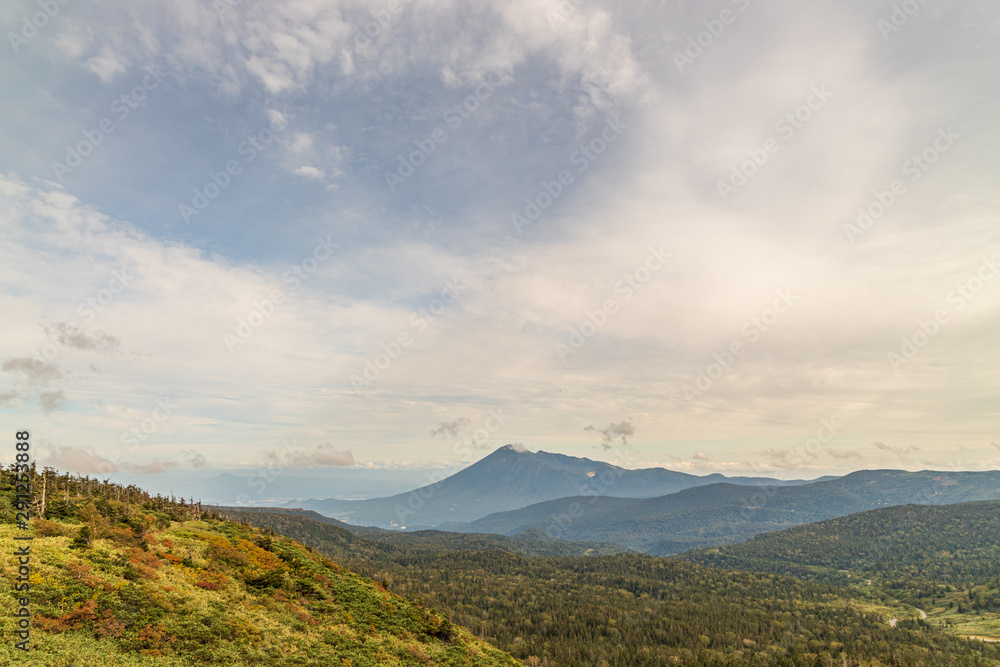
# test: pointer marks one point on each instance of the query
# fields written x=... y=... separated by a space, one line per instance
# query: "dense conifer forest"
x=634 y=609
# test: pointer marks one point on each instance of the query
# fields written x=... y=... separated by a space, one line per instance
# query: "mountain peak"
x=516 y=447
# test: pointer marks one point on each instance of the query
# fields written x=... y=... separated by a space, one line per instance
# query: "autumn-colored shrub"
x=212 y=581
x=153 y=638
x=46 y=528
x=147 y=558
x=123 y=535
x=108 y=626
x=81 y=571
x=75 y=619
x=260 y=559
x=222 y=549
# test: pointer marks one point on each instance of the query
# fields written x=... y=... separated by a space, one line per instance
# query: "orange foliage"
x=109 y=626
x=81 y=571
x=222 y=549
x=147 y=558
x=212 y=581
x=154 y=638
x=123 y=536
x=46 y=528
x=144 y=563
x=71 y=621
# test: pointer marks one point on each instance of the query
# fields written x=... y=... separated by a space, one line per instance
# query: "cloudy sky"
x=406 y=232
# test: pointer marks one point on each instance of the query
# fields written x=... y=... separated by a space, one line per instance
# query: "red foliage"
x=109 y=626
x=212 y=581
x=71 y=621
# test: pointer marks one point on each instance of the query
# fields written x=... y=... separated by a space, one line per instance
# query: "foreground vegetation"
x=636 y=610
x=122 y=578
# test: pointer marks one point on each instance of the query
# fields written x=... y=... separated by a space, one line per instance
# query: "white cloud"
x=494 y=347
x=310 y=173
x=107 y=64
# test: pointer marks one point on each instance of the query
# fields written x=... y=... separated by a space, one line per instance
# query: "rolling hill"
x=957 y=544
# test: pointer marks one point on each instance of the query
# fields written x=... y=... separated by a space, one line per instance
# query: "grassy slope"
x=212 y=592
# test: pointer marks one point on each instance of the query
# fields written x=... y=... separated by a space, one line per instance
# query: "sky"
x=733 y=236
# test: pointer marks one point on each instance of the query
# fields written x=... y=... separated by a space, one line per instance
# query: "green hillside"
x=957 y=544
x=942 y=559
x=628 y=610
x=121 y=578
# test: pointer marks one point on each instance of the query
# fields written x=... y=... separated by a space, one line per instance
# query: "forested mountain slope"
x=637 y=610
x=955 y=544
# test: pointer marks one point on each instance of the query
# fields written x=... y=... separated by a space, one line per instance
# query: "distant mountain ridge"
x=511 y=478
x=719 y=514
